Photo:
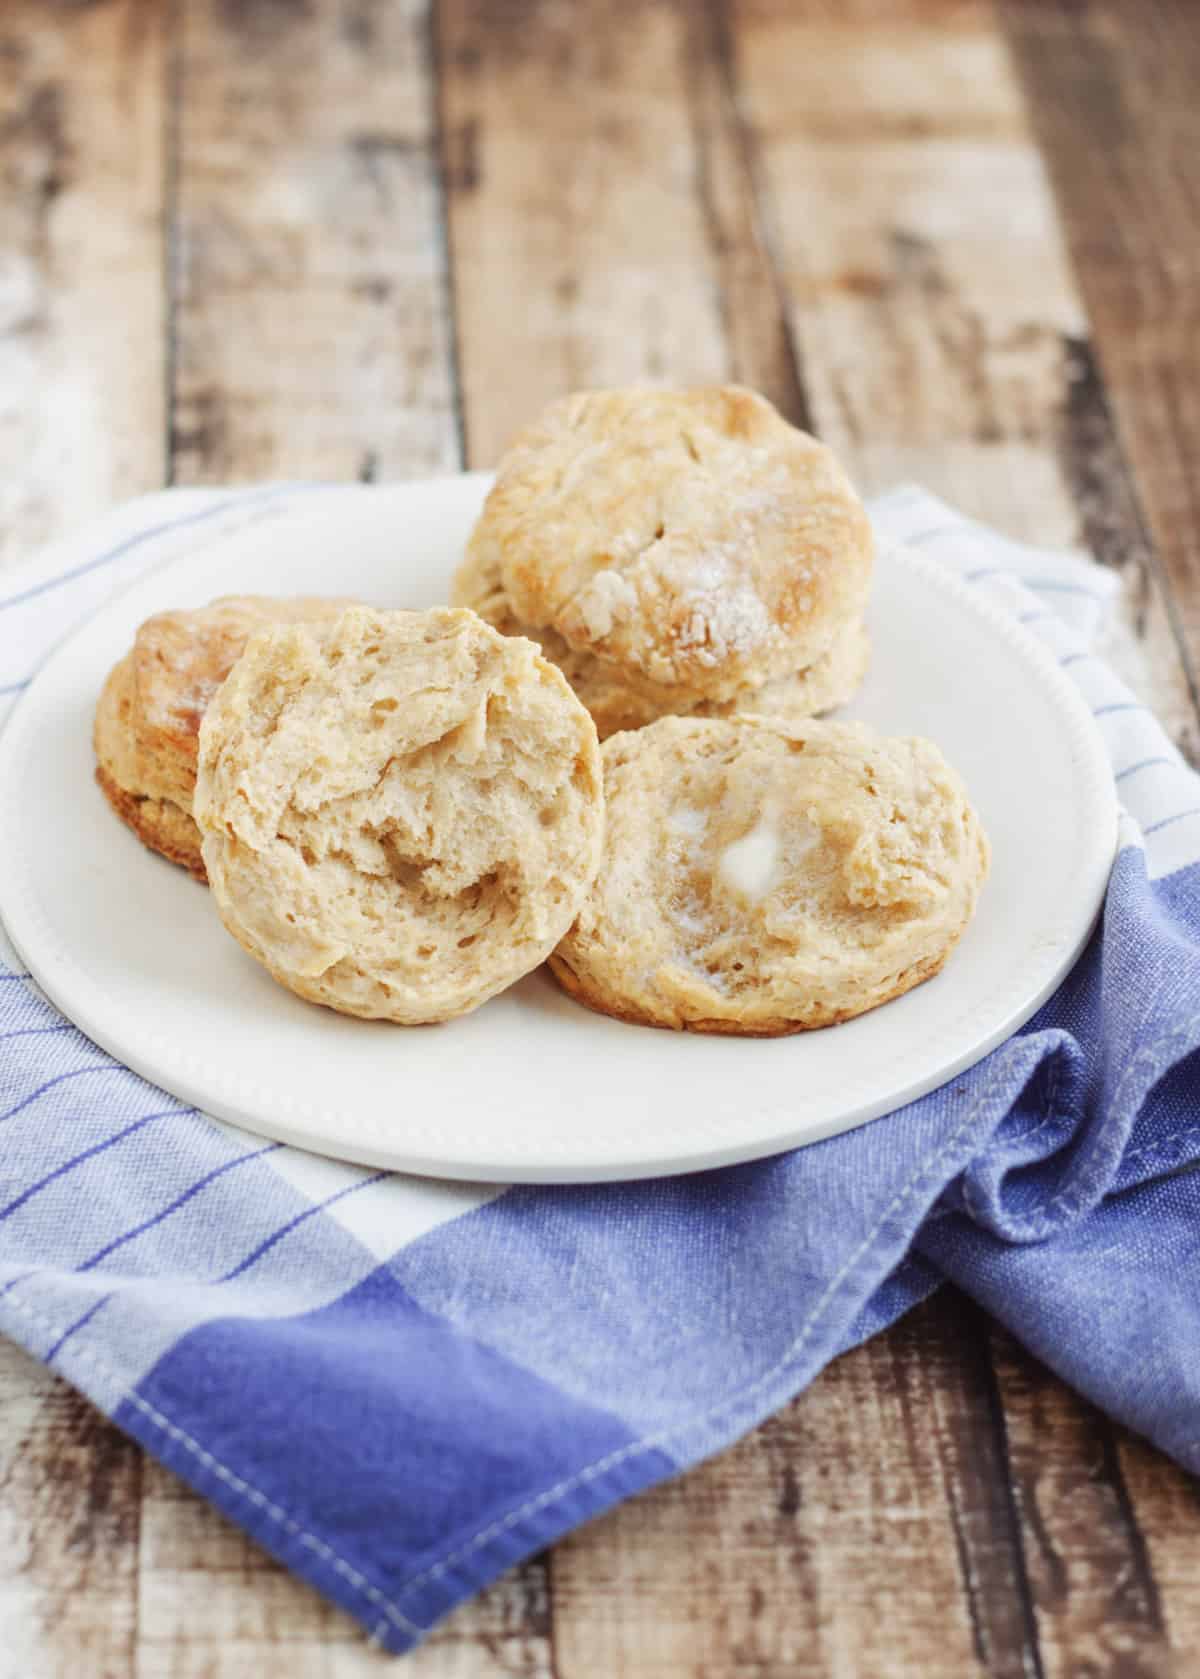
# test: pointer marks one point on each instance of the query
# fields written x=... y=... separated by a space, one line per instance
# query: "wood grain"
x=310 y=328
x=761 y=349
x=1166 y=1505
x=212 y=1605
x=942 y=335
x=69 y=1516
x=82 y=326
x=1112 y=90
x=1096 y=1601
x=579 y=243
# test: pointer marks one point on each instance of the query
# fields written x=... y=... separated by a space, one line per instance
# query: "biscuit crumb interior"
x=400 y=815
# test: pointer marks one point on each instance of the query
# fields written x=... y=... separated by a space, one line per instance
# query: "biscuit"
x=676 y=552
x=148 y=717
x=616 y=702
x=401 y=812
x=761 y=877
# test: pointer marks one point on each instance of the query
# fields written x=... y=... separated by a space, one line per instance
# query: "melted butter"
x=749 y=866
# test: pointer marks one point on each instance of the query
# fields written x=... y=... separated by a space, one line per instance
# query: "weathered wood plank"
x=81 y=275
x=1142 y=643
x=1112 y=91
x=69 y=1499
x=917 y=240
x=579 y=241
x=213 y=1605
x=1096 y=1598
x=864 y=1530
x=761 y=348
x=82 y=422
x=311 y=335
x=942 y=334
x=1166 y=1501
x=1112 y=98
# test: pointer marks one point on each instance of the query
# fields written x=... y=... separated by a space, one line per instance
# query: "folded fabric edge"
x=460 y=1575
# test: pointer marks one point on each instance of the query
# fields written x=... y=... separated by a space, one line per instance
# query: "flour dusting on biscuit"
x=677 y=552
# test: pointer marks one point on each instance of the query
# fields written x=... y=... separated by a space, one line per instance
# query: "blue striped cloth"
x=401 y=1388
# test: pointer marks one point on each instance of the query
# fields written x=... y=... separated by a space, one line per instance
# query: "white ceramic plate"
x=532 y=1087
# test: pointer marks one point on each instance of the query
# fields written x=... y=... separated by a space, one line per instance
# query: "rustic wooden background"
x=365 y=238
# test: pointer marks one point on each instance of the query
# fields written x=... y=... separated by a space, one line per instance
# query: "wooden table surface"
x=364 y=239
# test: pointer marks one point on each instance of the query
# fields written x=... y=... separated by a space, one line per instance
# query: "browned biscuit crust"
x=158 y=823
x=148 y=717
x=911 y=977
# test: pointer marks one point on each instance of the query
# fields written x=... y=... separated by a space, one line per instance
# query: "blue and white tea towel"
x=401 y=1388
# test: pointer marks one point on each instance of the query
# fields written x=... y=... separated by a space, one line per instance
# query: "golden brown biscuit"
x=617 y=702
x=675 y=552
x=148 y=717
x=401 y=811
x=762 y=878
